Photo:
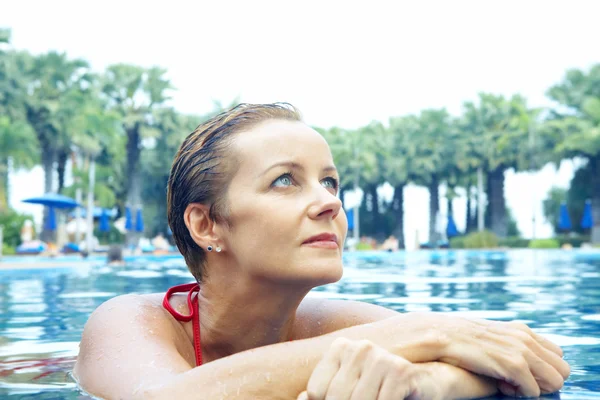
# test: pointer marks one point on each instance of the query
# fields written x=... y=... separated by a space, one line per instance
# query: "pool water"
x=43 y=310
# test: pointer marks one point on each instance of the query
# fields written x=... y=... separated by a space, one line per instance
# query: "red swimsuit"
x=193 y=316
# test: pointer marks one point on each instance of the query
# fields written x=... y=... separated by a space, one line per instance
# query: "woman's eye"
x=330 y=183
x=283 y=180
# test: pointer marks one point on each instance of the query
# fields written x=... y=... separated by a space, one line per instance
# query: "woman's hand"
x=526 y=364
x=360 y=370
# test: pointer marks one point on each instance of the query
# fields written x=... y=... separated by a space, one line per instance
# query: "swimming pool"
x=43 y=310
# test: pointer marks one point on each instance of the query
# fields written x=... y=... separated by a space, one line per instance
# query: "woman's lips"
x=323 y=241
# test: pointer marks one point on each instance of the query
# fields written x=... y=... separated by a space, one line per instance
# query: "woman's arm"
x=362 y=370
x=514 y=356
x=131 y=348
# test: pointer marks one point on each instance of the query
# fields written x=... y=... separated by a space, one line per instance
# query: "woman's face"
x=286 y=221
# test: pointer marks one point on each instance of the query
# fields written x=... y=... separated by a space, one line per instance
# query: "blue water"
x=43 y=311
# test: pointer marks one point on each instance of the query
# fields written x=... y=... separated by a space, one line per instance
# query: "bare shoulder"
x=130 y=339
x=321 y=316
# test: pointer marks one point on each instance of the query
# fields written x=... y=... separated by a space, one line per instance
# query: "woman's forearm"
x=279 y=371
x=459 y=383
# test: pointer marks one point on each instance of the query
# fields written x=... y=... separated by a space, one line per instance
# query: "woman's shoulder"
x=318 y=316
x=132 y=310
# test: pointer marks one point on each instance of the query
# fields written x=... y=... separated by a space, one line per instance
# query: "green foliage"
x=457 y=242
x=363 y=246
x=8 y=250
x=475 y=240
x=544 y=244
x=111 y=237
x=53 y=107
x=12 y=223
x=513 y=242
x=573 y=240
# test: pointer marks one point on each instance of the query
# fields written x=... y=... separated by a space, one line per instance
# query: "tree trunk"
x=468 y=219
x=134 y=186
x=378 y=229
x=496 y=202
x=62 y=157
x=48 y=165
x=3 y=186
x=595 y=166
x=434 y=207
x=398 y=208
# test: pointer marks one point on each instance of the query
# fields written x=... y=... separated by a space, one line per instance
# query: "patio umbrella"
x=104 y=225
x=451 y=227
x=350 y=217
x=96 y=212
x=53 y=200
x=51 y=221
x=128 y=221
x=564 y=221
x=587 y=221
x=139 y=221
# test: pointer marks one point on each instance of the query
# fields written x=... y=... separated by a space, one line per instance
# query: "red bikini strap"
x=193 y=316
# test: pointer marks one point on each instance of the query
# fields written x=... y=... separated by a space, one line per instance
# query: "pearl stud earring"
x=218 y=249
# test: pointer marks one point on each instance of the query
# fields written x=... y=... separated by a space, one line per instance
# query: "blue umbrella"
x=139 y=221
x=564 y=221
x=96 y=212
x=53 y=200
x=350 y=216
x=169 y=231
x=451 y=228
x=51 y=221
x=586 y=221
x=104 y=224
x=128 y=221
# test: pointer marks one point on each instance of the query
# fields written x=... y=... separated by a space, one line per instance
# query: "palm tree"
x=575 y=127
x=354 y=155
x=17 y=146
x=17 y=140
x=134 y=93
x=499 y=139
x=48 y=80
x=433 y=155
x=400 y=164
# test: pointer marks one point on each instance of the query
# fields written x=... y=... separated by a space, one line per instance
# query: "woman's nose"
x=325 y=205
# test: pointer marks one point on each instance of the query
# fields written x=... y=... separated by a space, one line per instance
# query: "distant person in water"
x=115 y=256
x=252 y=201
x=390 y=244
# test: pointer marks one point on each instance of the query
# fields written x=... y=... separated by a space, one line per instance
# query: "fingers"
x=326 y=369
x=303 y=396
x=544 y=358
x=397 y=383
x=521 y=379
x=524 y=328
x=538 y=338
x=379 y=366
x=548 y=378
x=549 y=369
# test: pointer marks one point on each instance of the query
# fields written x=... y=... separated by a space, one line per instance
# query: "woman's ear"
x=201 y=227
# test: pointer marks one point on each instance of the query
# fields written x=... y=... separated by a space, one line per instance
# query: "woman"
x=253 y=206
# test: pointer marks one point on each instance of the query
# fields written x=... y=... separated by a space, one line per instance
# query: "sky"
x=342 y=63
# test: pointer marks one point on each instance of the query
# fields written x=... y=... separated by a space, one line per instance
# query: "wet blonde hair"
x=203 y=168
